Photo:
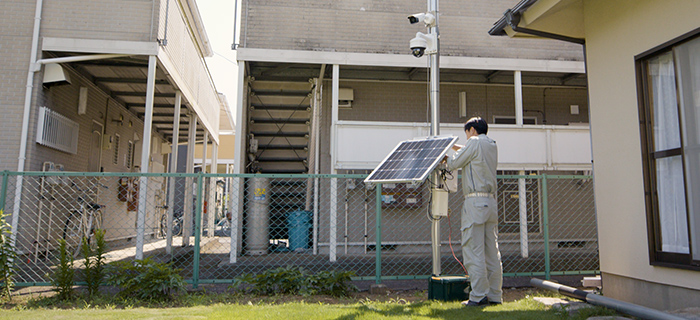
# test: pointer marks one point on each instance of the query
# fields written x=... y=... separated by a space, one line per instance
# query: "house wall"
x=102 y=109
x=382 y=27
x=615 y=33
x=16 y=21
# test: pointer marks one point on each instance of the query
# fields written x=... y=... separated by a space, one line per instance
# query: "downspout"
x=234 y=45
x=599 y=300
x=25 y=117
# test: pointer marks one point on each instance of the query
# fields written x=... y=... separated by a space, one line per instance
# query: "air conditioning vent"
x=56 y=131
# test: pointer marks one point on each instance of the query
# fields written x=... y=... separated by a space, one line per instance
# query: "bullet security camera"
x=423 y=43
x=427 y=18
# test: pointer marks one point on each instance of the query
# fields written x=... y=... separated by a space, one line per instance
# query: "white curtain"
x=687 y=58
x=669 y=170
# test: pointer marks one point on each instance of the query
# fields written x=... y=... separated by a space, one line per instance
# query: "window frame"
x=657 y=257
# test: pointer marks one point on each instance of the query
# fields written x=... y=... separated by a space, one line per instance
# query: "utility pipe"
x=25 y=119
x=89 y=57
x=598 y=300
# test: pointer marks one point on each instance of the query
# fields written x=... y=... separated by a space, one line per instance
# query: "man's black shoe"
x=469 y=303
x=494 y=303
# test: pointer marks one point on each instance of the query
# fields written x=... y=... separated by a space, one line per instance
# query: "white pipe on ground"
x=598 y=300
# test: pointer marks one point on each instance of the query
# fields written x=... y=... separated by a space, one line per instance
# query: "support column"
x=205 y=188
x=173 y=169
x=189 y=181
x=236 y=192
x=213 y=187
x=518 y=84
x=522 y=197
x=334 y=152
x=145 y=157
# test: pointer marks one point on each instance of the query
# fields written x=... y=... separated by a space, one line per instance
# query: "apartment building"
x=332 y=87
x=100 y=86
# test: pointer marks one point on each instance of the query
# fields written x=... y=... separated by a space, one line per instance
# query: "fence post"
x=545 y=221
x=197 y=231
x=378 y=234
x=3 y=191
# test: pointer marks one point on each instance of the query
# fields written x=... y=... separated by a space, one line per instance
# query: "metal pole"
x=518 y=85
x=378 y=235
x=145 y=157
x=545 y=222
x=173 y=169
x=3 y=191
x=434 y=60
x=522 y=199
x=189 y=168
x=197 y=231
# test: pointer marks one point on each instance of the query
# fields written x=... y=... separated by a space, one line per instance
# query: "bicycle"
x=177 y=223
x=82 y=222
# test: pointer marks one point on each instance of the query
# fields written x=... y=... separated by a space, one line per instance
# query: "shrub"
x=7 y=257
x=94 y=262
x=146 y=279
x=62 y=278
x=296 y=280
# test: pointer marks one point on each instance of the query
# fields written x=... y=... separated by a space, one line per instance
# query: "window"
x=669 y=108
x=115 y=156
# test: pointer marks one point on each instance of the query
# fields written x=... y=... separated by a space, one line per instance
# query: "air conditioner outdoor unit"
x=345 y=97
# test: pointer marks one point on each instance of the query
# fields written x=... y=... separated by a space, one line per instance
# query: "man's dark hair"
x=478 y=124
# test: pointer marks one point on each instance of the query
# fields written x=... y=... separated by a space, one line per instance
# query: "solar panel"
x=411 y=160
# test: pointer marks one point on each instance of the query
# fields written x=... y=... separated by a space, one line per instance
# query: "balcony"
x=364 y=144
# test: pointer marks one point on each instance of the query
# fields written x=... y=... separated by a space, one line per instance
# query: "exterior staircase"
x=279 y=120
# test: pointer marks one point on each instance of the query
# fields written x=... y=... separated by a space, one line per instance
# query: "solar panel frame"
x=411 y=160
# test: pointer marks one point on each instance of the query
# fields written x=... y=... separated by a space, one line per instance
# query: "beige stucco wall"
x=616 y=31
x=225 y=153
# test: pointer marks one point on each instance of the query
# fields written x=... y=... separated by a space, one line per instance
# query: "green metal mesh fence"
x=217 y=227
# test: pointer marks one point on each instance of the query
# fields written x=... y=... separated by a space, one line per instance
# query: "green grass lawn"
x=366 y=309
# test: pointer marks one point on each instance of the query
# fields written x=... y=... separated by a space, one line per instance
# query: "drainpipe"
x=598 y=300
x=25 y=118
x=513 y=19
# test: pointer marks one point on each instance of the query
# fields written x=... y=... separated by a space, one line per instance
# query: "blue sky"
x=218 y=18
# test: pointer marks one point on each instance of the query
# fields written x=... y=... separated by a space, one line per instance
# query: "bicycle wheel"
x=93 y=225
x=73 y=231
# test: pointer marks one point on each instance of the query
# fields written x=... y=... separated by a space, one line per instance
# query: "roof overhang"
x=119 y=68
x=547 y=18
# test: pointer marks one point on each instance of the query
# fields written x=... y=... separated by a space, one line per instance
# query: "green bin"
x=449 y=288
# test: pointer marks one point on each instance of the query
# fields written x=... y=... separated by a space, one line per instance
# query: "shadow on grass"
x=524 y=309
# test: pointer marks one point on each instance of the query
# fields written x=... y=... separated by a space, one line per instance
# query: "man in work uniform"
x=478 y=159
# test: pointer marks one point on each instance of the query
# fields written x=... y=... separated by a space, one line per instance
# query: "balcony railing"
x=527 y=147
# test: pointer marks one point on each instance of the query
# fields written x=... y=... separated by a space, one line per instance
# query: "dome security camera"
x=423 y=43
x=418 y=45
